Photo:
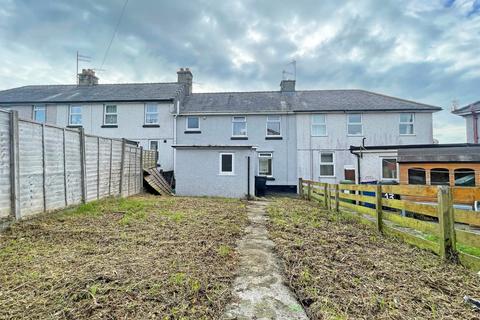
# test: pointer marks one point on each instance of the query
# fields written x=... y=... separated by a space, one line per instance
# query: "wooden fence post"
x=83 y=163
x=378 y=207
x=122 y=166
x=300 y=187
x=446 y=221
x=337 y=200
x=140 y=178
x=14 y=166
x=309 y=190
x=325 y=195
x=44 y=169
x=329 y=203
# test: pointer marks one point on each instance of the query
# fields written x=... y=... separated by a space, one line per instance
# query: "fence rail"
x=399 y=210
x=45 y=167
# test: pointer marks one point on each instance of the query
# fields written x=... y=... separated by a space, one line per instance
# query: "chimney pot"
x=87 y=78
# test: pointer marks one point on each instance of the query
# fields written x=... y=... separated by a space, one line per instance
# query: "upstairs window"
x=226 y=163
x=39 y=113
x=265 y=164
x=407 y=123
x=151 y=113
x=319 y=125
x=327 y=164
x=389 y=168
x=110 y=115
x=354 y=126
x=193 y=123
x=75 y=116
x=273 y=126
x=239 y=126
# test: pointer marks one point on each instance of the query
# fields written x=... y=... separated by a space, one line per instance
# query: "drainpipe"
x=359 y=176
x=177 y=111
x=475 y=125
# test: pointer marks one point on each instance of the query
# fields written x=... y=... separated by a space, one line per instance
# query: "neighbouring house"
x=471 y=115
x=428 y=164
x=142 y=112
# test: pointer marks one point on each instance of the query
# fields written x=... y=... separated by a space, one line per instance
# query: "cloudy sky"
x=423 y=50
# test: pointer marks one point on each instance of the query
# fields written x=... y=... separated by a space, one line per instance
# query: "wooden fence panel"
x=5 y=152
x=91 y=167
x=54 y=168
x=73 y=167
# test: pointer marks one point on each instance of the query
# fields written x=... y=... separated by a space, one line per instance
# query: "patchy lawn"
x=137 y=258
x=342 y=269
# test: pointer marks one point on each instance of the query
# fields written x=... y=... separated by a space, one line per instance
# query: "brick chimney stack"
x=185 y=77
x=287 y=86
x=87 y=78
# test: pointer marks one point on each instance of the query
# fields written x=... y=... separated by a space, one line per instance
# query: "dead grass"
x=137 y=258
x=342 y=269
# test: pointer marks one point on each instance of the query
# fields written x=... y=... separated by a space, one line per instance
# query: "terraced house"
x=217 y=143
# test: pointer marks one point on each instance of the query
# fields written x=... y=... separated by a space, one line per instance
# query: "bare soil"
x=342 y=269
x=137 y=258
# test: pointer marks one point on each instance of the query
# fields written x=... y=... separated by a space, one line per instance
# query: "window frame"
x=274 y=121
x=265 y=155
x=42 y=108
x=437 y=170
x=148 y=112
x=226 y=173
x=79 y=113
x=319 y=124
x=246 y=126
x=396 y=168
x=354 y=123
x=105 y=113
x=412 y=123
x=320 y=163
x=187 y=128
x=150 y=144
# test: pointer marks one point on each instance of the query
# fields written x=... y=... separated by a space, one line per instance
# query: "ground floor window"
x=226 y=163
x=440 y=176
x=465 y=178
x=389 y=168
x=265 y=164
x=153 y=145
x=417 y=176
x=327 y=164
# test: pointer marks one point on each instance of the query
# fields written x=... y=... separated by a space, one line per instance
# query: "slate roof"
x=467 y=109
x=96 y=93
x=470 y=153
x=298 y=101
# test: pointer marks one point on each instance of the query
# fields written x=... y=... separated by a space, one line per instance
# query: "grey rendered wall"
x=378 y=129
x=469 y=128
x=217 y=129
x=55 y=169
x=197 y=174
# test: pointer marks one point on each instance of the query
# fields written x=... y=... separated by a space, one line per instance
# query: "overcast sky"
x=427 y=51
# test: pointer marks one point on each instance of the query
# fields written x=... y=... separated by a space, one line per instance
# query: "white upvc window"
x=227 y=163
x=407 y=122
x=265 y=164
x=274 y=126
x=39 y=113
x=75 y=116
x=151 y=113
x=354 y=125
x=110 y=115
x=389 y=168
x=239 y=126
x=192 y=123
x=153 y=145
x=319 y=125
x=327 y=164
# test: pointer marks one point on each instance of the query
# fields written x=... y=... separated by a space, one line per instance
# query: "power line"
x=114 y=33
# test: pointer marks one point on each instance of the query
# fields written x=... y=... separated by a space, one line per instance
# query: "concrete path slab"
x=259 y=290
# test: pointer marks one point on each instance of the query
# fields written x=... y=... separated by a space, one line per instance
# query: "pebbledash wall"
x=44 y=167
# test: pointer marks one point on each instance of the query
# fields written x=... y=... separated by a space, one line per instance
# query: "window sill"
x=227 y=174
x=239 y=138
x=274 y=138
x=192 y=131
x=74 y=126
x=269 y=178
x=407 y=135
x=355 y=135
x=151 y=126
x=110 y=126
x=319 y=136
